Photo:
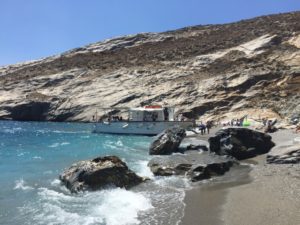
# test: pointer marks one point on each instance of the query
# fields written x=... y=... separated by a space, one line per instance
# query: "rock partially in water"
x=241 y=143
x=99 y=173
x=194 y=165
x=284 y=154
x=167 y=142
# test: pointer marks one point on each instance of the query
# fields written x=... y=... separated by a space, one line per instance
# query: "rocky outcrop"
x=167 y=142
x=213 y=71
x=195 y=166
x=99 y=173
x=284 y=154
x=241 y=143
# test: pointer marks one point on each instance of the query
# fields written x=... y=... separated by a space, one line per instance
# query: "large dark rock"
x=167 y=142
x=196 y=166
x=284 y=154
x=241 y=143
x=99 y=173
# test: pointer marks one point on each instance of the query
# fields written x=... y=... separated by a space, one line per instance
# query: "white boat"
x=148 y=120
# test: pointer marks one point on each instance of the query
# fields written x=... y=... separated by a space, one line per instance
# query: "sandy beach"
x=264 y=194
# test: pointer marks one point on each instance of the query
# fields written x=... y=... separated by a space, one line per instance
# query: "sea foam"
x=110 y=207
x=21 y=185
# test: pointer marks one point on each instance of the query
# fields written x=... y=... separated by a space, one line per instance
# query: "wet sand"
x=268 y=194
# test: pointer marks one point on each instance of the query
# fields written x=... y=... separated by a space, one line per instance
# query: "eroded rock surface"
x=194 y=165
x=241 y=143
x=99 y=173
x=210 y=71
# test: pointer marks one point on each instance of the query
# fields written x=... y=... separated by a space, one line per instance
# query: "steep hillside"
x=247 y=67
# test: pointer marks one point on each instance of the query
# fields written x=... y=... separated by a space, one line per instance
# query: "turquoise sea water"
x=32 y=155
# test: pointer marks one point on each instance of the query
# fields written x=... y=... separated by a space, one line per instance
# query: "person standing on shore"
x=202 y=128
x=208 y=126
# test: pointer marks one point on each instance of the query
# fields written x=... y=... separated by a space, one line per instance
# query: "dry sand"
x=273 y=198
x=268 y=195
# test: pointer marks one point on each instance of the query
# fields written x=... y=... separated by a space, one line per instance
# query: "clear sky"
x=31 y=29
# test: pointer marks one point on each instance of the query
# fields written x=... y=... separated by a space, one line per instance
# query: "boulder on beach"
x=193 y=165
x=167 y=142
x=99 y=173
x=241 y=143
x=284 y=154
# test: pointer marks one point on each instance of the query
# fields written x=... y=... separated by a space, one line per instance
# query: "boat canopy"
x=151 y=114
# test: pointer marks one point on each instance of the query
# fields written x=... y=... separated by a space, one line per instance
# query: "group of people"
x=234 y=122
x=205 y=127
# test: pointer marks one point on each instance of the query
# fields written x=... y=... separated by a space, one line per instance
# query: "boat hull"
x=139 y=128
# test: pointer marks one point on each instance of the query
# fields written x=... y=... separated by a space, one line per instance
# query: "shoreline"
x=204 y=202
x=266 y=194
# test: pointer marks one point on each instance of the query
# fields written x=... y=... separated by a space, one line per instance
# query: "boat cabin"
x=151 y=114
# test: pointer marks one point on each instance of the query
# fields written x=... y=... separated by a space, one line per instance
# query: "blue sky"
x=31 y=29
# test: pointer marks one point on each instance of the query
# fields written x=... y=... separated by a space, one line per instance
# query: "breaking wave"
x=115 y=206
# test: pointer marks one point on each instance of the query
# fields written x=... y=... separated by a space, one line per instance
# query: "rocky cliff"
x=248 y=67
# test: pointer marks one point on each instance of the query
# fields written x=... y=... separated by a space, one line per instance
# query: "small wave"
x=64 y=143
x=168 y=206
x=12 y=130
x=55 y=145
x=175 y=182
x=52 y=195
x=55 y=182
x=110 y=145
x=85 y=136
x=54 y=214
x=70 y=132
x=119 y=143
x=21 y=185
x=37 y=157
x=142 y=169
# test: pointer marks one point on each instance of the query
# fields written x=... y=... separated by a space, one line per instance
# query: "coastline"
x=205 y=201
x=265 y=195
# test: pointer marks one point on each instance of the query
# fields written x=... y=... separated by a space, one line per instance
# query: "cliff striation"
x=248 y=67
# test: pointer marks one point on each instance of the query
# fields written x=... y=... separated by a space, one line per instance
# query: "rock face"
x=206 y=71
x=241 y=143
x=284 y=154
x=99 y=173
x=167 y=142
x=194 y=165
